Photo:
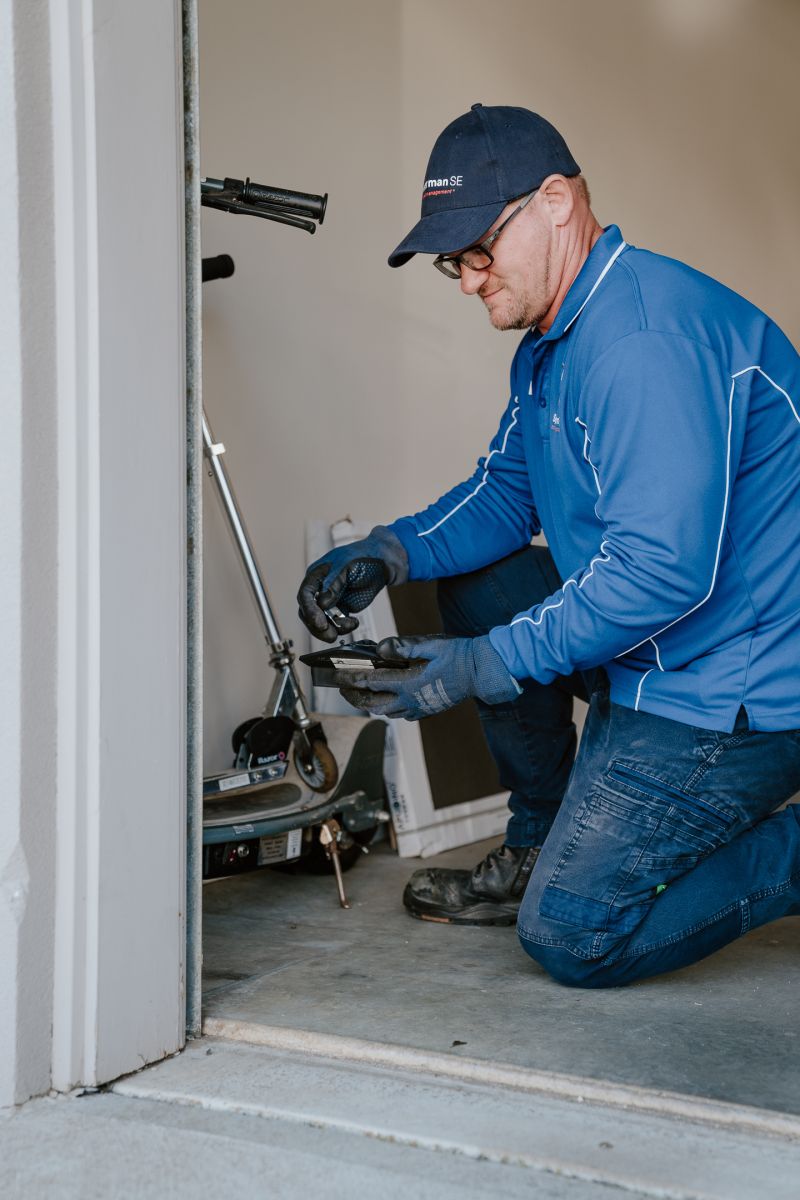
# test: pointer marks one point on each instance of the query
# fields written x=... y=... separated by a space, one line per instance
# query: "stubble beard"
x=524 y=311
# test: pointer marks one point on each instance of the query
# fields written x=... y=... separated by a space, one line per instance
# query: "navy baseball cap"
x=479 y=163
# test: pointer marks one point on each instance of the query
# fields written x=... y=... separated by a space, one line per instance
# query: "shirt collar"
x=602 y=256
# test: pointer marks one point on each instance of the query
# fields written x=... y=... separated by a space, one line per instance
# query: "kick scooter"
x=257 y=813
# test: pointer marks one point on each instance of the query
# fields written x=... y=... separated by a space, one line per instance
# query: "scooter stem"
x=213 y=452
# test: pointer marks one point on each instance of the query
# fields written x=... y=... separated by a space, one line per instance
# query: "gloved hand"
x=350 y=577
x=447 y=670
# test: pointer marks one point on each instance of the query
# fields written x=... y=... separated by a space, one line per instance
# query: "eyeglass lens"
x=474 y=258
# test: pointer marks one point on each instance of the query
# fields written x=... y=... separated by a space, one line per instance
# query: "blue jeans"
x=666 y=845
x=532 y=739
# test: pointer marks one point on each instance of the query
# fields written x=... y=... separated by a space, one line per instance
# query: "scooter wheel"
x=320 y=772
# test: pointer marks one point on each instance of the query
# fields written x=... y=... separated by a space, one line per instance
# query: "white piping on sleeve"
x=639 y=689
x=547 y=608
x=597 y=282
x=587 y=441
x=473 y=494
x=777 y=387
x=718 y=554
x=707 y=596
x=601 y=557
x=607 y=558
x=447 y=516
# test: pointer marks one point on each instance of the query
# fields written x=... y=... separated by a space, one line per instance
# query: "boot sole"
x=476 y=914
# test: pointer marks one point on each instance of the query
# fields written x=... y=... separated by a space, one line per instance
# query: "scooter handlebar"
x=304 y=202
x=244 y=192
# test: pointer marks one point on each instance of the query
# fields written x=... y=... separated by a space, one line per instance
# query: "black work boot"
x=488 y=895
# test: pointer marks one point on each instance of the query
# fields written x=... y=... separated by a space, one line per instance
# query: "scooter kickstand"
x=329 y=836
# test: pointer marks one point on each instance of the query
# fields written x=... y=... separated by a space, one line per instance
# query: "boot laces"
x=488 y=863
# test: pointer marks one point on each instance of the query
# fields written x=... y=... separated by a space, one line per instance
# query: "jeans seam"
x=746 y=914
x=580 y=825
x=774 y=889
x=681 y=936
x=499 y=595
x=702 y=770
x=702 y=807
x=642 y=849
x=517 y=718
x=744 y=905
x=523 y=931
x=640 y=950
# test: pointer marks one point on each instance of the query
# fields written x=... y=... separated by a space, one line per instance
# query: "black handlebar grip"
x=303 y=202
x=219 y=267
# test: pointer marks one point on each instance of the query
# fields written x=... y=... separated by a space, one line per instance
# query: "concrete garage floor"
x=280 y=953
x=361 y=1053
x=225 y=1119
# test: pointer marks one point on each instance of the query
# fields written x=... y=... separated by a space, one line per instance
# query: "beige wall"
x=341 y=386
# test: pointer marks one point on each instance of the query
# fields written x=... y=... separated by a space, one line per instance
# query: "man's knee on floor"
x=574 y=932
x=566 y=965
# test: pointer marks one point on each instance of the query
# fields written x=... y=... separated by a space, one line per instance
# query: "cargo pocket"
x=700 y=822
x=632 y=835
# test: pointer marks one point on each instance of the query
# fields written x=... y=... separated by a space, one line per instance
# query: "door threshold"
x=630 y=1097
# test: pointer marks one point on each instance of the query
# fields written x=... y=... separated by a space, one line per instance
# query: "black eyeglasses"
x=477 y=257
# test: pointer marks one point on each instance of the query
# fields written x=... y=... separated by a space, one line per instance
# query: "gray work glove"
x=442 y=672
x=349 y=578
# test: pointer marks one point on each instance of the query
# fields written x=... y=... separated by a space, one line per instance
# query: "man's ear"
x=557 y=198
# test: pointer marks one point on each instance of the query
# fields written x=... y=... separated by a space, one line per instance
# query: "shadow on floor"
x=279 y=951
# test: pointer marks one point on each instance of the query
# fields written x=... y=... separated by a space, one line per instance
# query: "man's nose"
x=471 y=280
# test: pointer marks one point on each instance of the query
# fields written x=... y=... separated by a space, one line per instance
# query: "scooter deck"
x=259 y=804
x=357 y=744
x=241 y=781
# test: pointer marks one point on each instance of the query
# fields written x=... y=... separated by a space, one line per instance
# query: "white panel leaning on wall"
x=421 y=828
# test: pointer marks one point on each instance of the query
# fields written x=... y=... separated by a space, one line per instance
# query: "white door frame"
x=93 y=702
x=121 y=823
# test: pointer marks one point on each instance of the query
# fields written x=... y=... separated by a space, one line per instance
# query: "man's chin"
x=503 y=316
x=505 y=320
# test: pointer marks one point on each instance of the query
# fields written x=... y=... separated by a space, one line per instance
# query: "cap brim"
x=447 y=231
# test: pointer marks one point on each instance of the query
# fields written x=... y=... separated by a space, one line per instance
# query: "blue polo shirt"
x=653 y=433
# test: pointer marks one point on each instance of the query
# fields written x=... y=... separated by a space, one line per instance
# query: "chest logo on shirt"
x=555 y=424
